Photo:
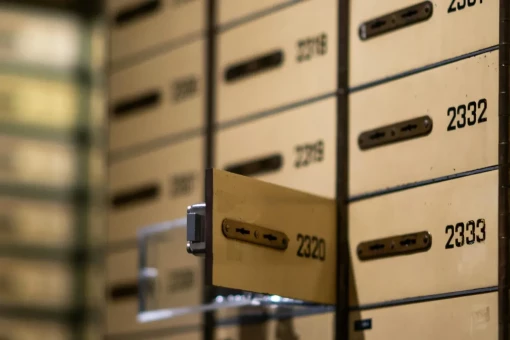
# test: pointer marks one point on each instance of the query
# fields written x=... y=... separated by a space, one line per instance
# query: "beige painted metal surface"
x=288 y=134
x=460 y=258
x=445 y=35
x=309 y=327
x=173 y=20
x=465 y=318
x=175 y=170
x=305 y=270
x=19 y=329
x=469 y=86
x=191 y=335
x=293 y=80
x=232 y=10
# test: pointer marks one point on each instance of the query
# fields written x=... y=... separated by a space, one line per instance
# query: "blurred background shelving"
x=52 y=169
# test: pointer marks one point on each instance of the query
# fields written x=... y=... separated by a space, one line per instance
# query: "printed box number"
x=308 y=153
x=458 y=114
x=467 y=233
x=185 y=88
x=182 y=184
x=312 y=46
x=311 y=247
x=180 y=280
x=461 y=4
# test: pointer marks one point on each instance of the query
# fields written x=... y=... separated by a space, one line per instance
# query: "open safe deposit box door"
x=265 y=244
x=265 y=238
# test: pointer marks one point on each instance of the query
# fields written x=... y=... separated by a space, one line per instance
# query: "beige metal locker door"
x=462 y=318
x=154 y=187
x=140 y=25
x=459 y=219
x=444 y=29
x=295 y=148
x=279 y=59
x=459 y=102
x=158 y=98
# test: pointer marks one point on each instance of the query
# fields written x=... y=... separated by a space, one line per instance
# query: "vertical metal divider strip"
x=208 y=318
x=504 y=172
x=342 y=176
x=82 y=196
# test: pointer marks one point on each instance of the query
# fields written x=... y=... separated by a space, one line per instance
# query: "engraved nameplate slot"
x=398 y=132
x=396 y=20
x=250 y=233
x=253 y=66
x=132 y=105
x=135 y=196
x=124 y=291
x=396 y=245
x=132 y=13
x=258 y=166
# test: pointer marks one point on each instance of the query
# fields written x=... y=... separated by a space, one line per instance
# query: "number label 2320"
x=312 y=247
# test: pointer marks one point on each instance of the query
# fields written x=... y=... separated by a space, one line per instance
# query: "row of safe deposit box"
x=422 y=158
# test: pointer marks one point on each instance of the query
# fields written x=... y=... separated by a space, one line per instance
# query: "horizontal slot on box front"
x=123 y=291
x=253 y=66
x=395 y=245
x=257 y=166
x=397 y=132
x=396 y=20
x=136 y=196
x=132 y=13
x=130 y=106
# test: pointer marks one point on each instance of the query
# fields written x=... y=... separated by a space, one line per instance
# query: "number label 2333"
x=467 y=233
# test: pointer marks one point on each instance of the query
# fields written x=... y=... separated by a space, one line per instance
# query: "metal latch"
x=397 y=132
x=195 y=229
x=250 y=233
x=396 y=20
x=395 y=245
